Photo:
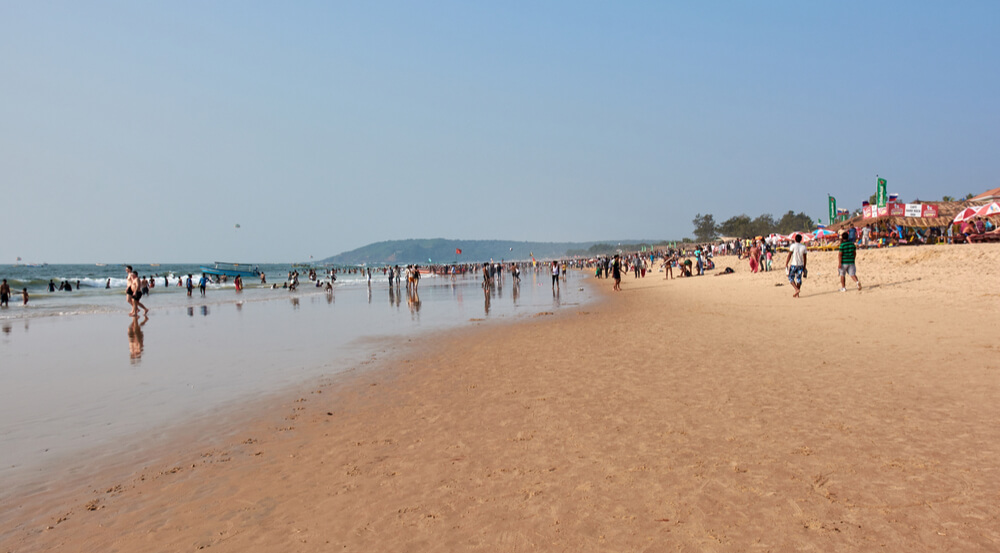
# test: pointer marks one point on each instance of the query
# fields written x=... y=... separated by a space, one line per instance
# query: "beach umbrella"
x=823 y=233
x=966 y=214
x=989 y=210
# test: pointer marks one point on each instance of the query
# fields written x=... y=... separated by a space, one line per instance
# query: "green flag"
x=833 y=208
x=881 y=198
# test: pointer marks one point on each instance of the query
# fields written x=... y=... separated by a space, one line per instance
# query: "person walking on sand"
x=795 y=264
x=128 y=288
x=846 y=254
x=616 y=273
x=754 y=258
x=134 y=292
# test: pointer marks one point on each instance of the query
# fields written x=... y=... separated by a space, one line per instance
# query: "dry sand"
x=701 y=414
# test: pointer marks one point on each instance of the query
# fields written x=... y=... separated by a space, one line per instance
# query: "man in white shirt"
x=795 y=264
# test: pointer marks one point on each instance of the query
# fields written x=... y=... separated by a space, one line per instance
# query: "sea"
x=100 y=287
x=79 y=374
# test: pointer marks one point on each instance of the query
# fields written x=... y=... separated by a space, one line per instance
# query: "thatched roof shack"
x=946 y=214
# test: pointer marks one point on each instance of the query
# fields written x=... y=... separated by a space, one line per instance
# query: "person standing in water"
x=4 y=294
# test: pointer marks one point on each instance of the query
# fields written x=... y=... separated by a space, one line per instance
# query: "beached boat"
x=231 y=269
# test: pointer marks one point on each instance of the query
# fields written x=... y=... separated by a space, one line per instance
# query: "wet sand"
x=702 y=414
x=106 y=381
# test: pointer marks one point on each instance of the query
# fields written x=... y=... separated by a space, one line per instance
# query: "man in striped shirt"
x=845 y=261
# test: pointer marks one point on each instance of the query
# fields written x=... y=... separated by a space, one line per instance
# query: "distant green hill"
x=441 y=250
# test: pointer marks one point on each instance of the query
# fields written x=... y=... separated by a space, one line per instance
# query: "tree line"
x=742 y=226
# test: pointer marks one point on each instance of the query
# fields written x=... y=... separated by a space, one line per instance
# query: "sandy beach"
x=699 y=414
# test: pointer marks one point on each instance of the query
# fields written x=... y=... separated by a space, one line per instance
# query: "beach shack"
x=911 y=223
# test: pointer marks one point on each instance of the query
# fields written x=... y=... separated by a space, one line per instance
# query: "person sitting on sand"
x=967 y=231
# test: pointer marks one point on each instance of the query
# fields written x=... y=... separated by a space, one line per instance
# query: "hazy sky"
x=145 y=131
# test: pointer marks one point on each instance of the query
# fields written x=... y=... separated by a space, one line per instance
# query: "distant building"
x=988 y=196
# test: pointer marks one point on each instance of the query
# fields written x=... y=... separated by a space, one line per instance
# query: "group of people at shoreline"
x=693 y=260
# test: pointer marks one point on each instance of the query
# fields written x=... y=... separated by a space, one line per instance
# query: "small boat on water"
x=231 y=269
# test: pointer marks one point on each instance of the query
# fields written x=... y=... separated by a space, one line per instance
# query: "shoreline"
x=706 y=413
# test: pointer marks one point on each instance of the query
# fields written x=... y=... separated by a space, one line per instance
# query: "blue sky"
x=145 y=131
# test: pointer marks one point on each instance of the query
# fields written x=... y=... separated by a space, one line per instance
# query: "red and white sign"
x=899 y=210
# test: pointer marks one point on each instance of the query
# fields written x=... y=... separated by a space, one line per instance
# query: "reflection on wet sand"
x=413 y=300
x=135 y=339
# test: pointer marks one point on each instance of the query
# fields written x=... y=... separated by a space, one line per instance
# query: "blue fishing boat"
x=231 y=269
